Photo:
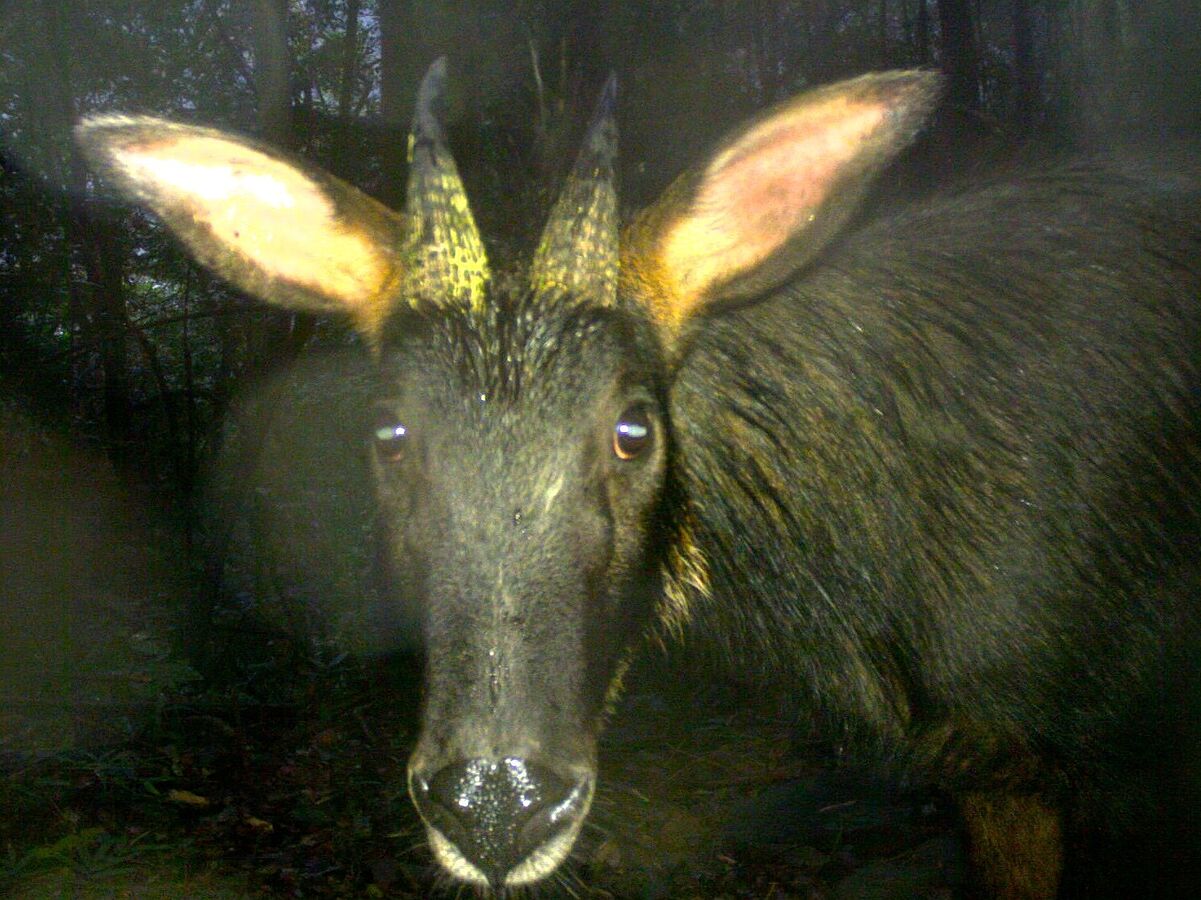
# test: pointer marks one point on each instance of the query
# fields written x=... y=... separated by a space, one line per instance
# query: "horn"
x=443 y=254
x=578 y=250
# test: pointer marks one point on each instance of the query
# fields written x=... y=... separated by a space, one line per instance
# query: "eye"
x=633 y=434
x=389 y=436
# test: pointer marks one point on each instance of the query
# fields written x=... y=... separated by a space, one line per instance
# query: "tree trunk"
x=99 y=306
x=1026 y=83
x=350 y=63
x=1105 y=87
x=885 y=55
x=277 y=340
x=271 y=70
x=397 y=84
x=921 y=33
x=106 y=274
x=959 y=53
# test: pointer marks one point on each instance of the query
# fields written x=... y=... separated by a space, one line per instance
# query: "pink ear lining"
x=774 y=180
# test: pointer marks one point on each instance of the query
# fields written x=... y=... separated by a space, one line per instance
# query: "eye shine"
x=389 y=437
x=390 y=433
x=632 y=434
x=939 y=470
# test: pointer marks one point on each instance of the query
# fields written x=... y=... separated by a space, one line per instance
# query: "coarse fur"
x=940 y=473
x=969 y=385
x=952 y=476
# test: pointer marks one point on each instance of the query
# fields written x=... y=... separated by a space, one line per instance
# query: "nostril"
x=499 y=812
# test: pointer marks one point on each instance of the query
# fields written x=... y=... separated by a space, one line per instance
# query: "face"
x=521 y=458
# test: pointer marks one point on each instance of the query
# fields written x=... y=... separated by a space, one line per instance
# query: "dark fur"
x=945 y=480
x=949 y=479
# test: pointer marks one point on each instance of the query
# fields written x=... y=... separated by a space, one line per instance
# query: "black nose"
x=497 y=812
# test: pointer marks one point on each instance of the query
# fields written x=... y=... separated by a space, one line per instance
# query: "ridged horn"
x=578 y=251
x=444 y=256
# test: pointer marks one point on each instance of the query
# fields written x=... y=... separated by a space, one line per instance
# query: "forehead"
x=522 y=347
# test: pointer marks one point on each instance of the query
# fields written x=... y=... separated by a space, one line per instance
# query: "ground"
x=219 y=794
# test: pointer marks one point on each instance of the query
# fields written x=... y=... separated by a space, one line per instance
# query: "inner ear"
x=773 y=195
x=768 y=189
x=272 y=225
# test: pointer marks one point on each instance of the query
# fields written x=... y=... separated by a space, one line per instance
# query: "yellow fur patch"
x=616 y=685
x=686 y=575
x=1016 y=844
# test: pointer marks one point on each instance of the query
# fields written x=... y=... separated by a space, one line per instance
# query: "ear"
x=772 y=196
x=277 y=229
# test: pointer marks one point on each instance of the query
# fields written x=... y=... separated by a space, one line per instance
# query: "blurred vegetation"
x=187 y=558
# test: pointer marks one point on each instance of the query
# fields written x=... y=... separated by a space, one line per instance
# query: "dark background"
x=186 y=553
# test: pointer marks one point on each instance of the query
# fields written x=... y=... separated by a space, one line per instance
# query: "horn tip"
x=431 y=98
x=608 y=97
x=437 y=69
x=602 y=131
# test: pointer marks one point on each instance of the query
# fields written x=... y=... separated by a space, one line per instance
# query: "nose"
x=500 y=813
